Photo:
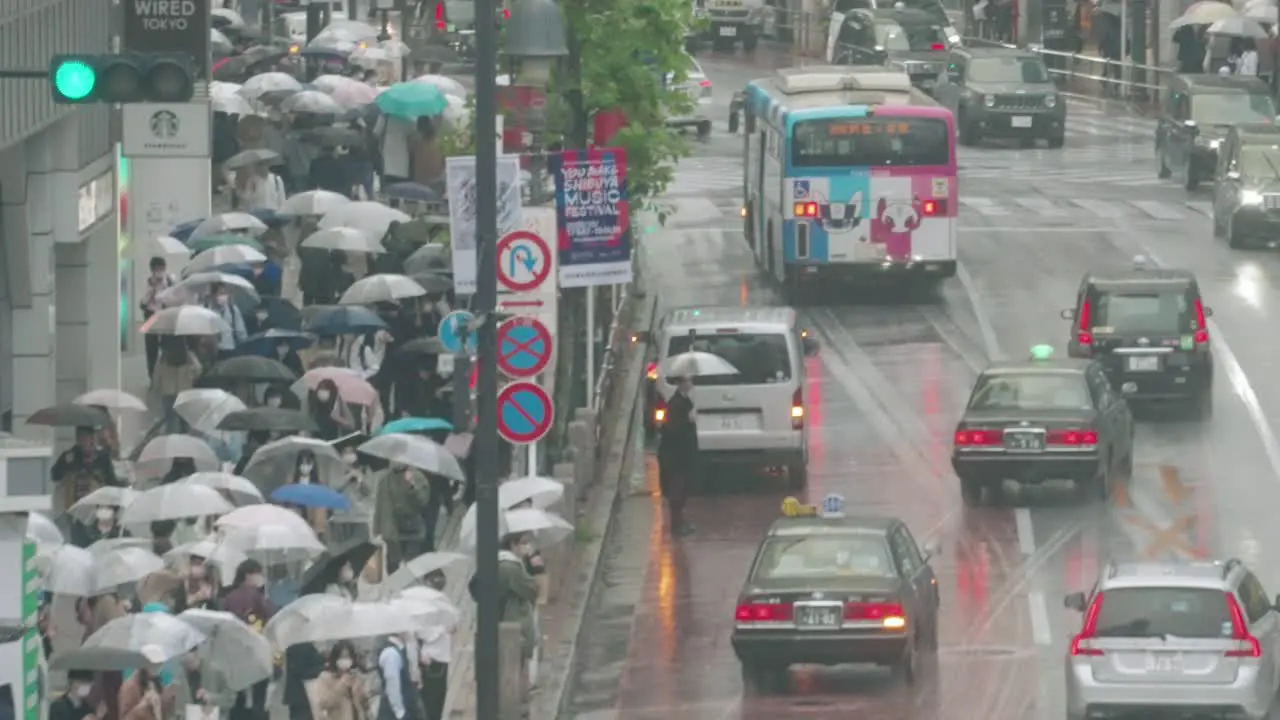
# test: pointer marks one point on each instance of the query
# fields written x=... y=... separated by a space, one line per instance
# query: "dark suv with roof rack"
x=1002 y=93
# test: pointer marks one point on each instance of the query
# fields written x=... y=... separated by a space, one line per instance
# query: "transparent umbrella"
x=86 y=507
x=186 y=320
x=386 y=287
x=133 y=641
x=83 y=573
x=373 y=218
x=241 y=654
x=157 y=456
x=230 y=222
x=313 y=202
x=204 y=408
x=178 y=501
x=112 y=399
x=242 y=490
x=345 y=239
x=259 y=85
x=312 y=102
x=415 y=451
x=222 y=256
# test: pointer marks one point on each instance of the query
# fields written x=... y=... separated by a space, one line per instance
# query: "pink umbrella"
x=354 y=94
x=352 y=387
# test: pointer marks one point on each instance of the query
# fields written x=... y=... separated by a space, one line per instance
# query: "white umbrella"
x=458 y=115
x=112 y=399
x=204 y=408
x=345 y=239
x=327 y=621
x=242 y=491
x=270 y=544
x=313 y=202
x=1238 y=27
x=697 y=364
x=110 y=545
x=218 y=88
x=219 y=41
x=386 y=287
x=202 y=548
x=251 y=516
x=372 y=217
x=259 y=85
x=433 y=602
x=241 y=655
x=171 y=246
x=1263 y=11
x=444 y=84
x=353 y=30
x=86 y=507
x=275 y=461
x=411 y=571
x=230 y=222
x=1205 y=12
x=312 y=102
x=329 y=83
x=252 y=156
x=192 y=287
x=542 y=491
x=158 y=455
x=222 y=256
x=132 y=641
x=177 y=501
x=82 y=573
x=415 y=451
x=43 y=531
x=547 y=528
x=229 y=16
x=184 y=320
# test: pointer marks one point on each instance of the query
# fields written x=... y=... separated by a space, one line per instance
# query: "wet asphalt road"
x=884 y=396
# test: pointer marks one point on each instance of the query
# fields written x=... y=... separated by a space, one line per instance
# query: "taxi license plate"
x=1021 y=121
x=728 y=31
x=731 y=422
x=1024 y=441
x=1144 y=363
x=1164 y=662
x=818 y=617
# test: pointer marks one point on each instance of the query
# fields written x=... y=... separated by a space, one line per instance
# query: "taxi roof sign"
x=791 y=508
x=833 y=506
x=1042 y=352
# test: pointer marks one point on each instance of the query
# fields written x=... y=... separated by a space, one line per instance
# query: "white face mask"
x=349 y=458
x=282 y=349
x=346 y=574
x=82 y=691
x=344 y=664
x=258 y=581
x=306 y=468
x=105 y=514
x=323 y=396
x=197 y=571
x=273 y=402
x=224 y=299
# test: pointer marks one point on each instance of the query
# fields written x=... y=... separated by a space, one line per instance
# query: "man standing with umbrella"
x=678 y=452
x=157 y=282
x=234 y=333
x=87 y=465
x=399 y=515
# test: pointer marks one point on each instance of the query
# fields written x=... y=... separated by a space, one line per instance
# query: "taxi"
x=1039 y=419
x=828 y=588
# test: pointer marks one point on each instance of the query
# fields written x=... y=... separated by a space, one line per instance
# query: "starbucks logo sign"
x=165 y=125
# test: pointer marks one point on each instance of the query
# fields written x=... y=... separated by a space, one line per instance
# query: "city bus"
x=849 y=172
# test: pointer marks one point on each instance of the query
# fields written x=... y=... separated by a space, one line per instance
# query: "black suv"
x=1246 y=199
x=1002 y=92
x=1198 y=112
x=1149 y=328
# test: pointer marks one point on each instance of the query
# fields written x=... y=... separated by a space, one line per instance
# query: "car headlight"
x=989 y=100
x=1051 y=101
x=1250 y=197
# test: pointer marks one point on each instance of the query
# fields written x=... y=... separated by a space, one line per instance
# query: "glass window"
x=905 y=552
x=875 y=142
x=1260 y=162
x=1018 y=70
x=892 y=36
x=1232 y=109
x=760 y=358
x=1149 y=312
x=1254 y=598
x=827 y=556
x=1156 y=612
x=1032 y=391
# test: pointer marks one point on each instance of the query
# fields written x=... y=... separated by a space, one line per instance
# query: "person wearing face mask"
x=288 y=356
x=74 y=703
x=233 y=331
x=678 y=453
x=331 y=416
x=341 y=687
x=142 y=696
x=435 y=651
x=157 y=282
x=399 y=512
x=200 y=585
x=518 y=590
x=103 y=527
x=247 y=600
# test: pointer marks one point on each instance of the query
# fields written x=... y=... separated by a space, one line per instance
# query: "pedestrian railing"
x=617 y=339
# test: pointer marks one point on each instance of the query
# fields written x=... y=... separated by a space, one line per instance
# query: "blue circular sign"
x=525 y=413
x=452 y=330
x=524 y=347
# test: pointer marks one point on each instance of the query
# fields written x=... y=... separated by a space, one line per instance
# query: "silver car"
x=697 y=86
x=1174 y=640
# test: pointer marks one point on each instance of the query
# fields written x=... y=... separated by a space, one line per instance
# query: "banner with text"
x=460 y=182
x=593 y=217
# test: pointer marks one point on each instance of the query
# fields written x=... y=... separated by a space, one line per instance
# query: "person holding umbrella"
x=399 y=515
x=341 y=687
x=74 y=703
x=234 y=332
x=157 y=282
x=247 y=600
x=257 y=188
x=87 y=465
x=678 y=452
x=176 y=370
x=104 y=527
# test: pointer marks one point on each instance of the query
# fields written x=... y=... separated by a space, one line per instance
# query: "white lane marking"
x=1156 y=209
x=1100 y=208
x=1035 y=229
x=1026 y=534
x=984 y=206
x=1038 y=609
x=989 y=338
x=1040 y=206
x=1204 y=207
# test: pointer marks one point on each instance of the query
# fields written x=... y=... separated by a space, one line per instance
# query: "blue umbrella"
x=343 y=320
x=411 y=191
x=264 y=343
x=311 y=496
x=416 y=424
x=183 y=231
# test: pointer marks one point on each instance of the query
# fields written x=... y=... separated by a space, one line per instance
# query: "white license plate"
x=1144 y=363
x=1021 y=121
x=731 y=422
x=728 y=31
x=1024 y=442
x=1164 y=662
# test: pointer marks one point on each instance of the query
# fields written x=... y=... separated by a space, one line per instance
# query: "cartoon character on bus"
x=893 y=223
x=842 y=217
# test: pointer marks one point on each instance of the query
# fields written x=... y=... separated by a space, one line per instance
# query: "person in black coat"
x=302 y=663
x=74 y=703
x=678 y=453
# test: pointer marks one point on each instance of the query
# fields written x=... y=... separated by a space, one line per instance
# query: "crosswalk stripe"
x=984 y=206
x=1040 y=206
x=1156 y=210
x=1204 y=207
x=1099 y=208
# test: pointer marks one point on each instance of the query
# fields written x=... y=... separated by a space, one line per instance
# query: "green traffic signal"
x=74 y=79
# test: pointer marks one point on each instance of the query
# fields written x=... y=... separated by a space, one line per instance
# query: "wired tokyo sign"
x=152 y=26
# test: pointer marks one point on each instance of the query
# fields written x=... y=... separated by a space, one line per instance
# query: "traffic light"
x=123 y=78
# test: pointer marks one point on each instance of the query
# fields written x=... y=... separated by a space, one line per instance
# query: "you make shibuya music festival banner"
x=593 y=217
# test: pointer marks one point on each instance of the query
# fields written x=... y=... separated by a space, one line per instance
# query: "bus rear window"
x=872 y=141
x=760 y=358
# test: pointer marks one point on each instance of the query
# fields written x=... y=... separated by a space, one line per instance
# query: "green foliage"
x=632 y=52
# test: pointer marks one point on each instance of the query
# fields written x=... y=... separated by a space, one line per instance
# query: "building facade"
x=60 y=277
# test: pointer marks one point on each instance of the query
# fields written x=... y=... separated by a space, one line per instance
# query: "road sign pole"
x=462 y=391
x=591 y=347
x=532 y=461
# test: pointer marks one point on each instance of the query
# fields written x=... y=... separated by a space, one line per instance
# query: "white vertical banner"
x=162 y=194
x=460 y=176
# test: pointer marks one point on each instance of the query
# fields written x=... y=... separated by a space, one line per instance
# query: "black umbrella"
x=333 y=136
x=415 y=192
x=70 y=415
x=269 y=419
x=424 y=346
x=281 y=314
x=433 y=282
x=328 y=566
x=430 y=258
x=248 y=368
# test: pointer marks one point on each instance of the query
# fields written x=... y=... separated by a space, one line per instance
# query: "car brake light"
x=705 y=84
x=506 y=13
x=751 y=612
x=978 y=438
x=441 y=23
x=889 y=615
x=1081 y=644
x=1077 y=438
x=1250 y=647
x=797 y=409
x=1084 y=335
x=651 y=371
x=1202 y=325
x=660 y=412
x=937 y=46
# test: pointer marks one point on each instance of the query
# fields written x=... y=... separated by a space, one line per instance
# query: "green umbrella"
x=411 y=100
x=199 y=245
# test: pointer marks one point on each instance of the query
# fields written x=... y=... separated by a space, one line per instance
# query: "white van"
x=756 y=416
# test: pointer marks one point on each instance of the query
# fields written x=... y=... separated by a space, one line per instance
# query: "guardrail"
x=617 y=340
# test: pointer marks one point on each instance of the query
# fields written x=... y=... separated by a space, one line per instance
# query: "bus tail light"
x=802 y=241
x=930 y=208
x=806 y=210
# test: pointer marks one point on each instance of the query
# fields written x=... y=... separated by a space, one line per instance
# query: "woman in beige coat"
x=340 y=690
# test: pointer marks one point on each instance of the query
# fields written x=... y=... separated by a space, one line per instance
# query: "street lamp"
x=525 y=15
x=536 y=35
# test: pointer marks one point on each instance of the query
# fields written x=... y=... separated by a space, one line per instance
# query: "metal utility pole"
x=485 y=307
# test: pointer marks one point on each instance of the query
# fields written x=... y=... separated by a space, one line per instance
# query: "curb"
x=552 y=703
